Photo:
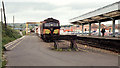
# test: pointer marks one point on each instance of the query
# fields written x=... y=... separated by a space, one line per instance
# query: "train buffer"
x=71 y=38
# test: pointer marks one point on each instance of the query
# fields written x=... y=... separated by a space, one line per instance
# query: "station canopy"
x=103 y=14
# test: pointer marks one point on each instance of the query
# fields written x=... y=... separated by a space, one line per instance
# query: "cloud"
x=28 y=11
x=23 y=6
x=38 y=10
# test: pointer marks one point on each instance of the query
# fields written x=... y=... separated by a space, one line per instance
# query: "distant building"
x=94 y=27
x=18 y=28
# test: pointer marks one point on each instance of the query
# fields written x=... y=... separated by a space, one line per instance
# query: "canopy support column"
x=99 y=28
x=89 y=29
x=113 y=27
x=82 y=29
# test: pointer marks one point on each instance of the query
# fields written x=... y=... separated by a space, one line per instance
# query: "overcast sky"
x=38 y=10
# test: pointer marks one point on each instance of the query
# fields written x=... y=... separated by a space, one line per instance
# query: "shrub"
x=24 y=32
x=9 y=35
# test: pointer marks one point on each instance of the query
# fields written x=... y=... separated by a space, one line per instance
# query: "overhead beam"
x=33 y=22
x=106 y=16
x=80 y=21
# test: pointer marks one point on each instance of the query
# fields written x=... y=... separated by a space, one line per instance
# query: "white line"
x=17 y=44
x=12 y=43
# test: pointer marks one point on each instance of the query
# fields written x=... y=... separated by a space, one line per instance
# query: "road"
x=32 y=51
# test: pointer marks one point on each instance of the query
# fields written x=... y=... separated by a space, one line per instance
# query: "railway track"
x=70 y=41
x=64 y=45
x=111 y=45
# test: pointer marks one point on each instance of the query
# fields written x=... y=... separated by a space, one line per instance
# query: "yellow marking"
x=56 y=31
x=47 y=31
x=33 y=22
x=17 y=44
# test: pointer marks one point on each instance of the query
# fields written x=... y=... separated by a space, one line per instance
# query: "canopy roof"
x=103 y=14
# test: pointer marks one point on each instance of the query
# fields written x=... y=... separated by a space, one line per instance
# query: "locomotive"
x=49 y=28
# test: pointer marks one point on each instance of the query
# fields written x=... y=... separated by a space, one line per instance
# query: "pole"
x=1 y=16
x=89 y=29
x=99 y=28
x=0 y=45
x=113 y=27
x=4 y=14
x=26 y=28
x=1 y=42
x=82 y=29
x=13 y=22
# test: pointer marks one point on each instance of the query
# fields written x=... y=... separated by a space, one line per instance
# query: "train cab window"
x=51 y=24
x=55 y=24
x=47 y=24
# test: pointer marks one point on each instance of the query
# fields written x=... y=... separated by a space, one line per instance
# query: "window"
x=51 y=24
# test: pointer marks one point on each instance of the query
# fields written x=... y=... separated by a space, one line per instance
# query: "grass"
x=8 y=35
x=4 y=62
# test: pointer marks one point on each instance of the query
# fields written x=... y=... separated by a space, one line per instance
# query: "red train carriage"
x=49 y=28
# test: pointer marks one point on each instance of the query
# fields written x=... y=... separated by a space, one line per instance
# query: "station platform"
x=108 y=43
x=100 y=37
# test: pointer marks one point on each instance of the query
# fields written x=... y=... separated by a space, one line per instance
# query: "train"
x=48 y=28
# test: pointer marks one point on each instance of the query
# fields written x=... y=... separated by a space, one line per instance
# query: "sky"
x=38 y=10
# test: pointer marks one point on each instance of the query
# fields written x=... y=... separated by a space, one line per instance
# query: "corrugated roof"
x=102 y=14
